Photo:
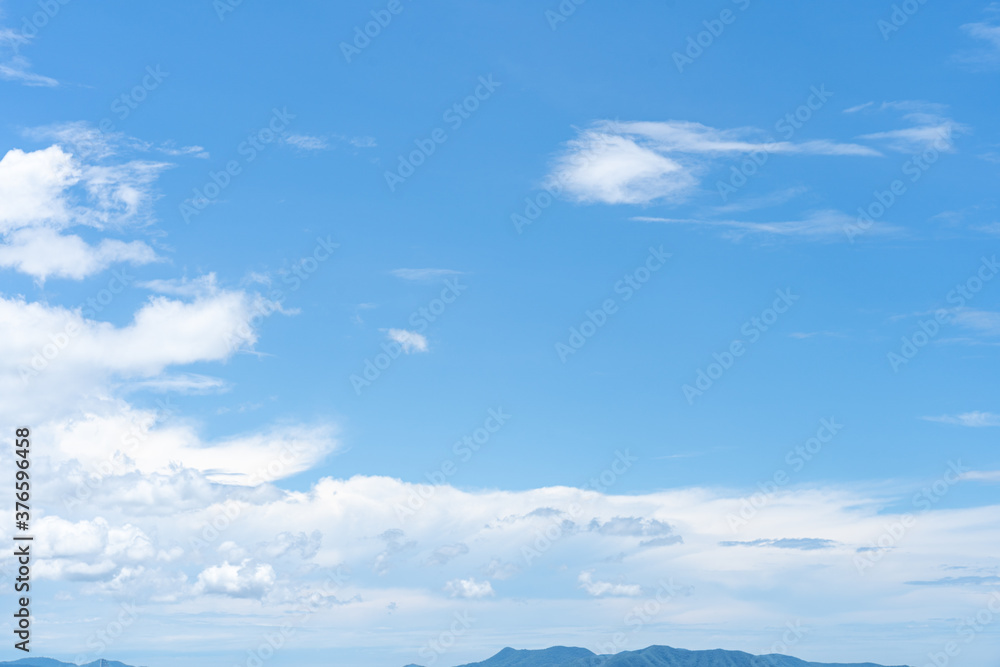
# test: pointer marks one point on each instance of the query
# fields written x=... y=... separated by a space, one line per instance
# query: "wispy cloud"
x=423 y=274
x=642 y=161
x=803 y=543
x=930 y=127
x=819 y=225
x=322 y=142
x=958 y=581
x=971 y=419
x=19 y=69
x=987 y=34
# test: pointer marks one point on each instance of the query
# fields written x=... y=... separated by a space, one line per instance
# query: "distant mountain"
x=49 y=662
x=653 y=656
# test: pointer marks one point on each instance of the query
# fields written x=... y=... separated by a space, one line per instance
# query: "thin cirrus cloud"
x=930 y=128
x=970 y=419
x=14 y=66
x=423 y=275
x=311 y=142
x=642 y=162
x=818 y=225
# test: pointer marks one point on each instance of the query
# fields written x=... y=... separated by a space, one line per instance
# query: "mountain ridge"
x=651 y=656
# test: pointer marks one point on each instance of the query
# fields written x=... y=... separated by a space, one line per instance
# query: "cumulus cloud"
x=468 y=588
x=45 y=192
x=42 y=252
x=247 y=579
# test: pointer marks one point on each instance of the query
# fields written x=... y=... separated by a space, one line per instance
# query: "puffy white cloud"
x=244 y=580
x=468 y=588
x=44 y=192
x=411 y=341
x=599 y=588
x=42 y=252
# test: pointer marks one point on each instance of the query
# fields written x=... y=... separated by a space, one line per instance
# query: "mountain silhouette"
x=653 y=656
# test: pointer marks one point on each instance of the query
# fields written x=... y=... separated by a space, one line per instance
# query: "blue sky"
x=541 y=228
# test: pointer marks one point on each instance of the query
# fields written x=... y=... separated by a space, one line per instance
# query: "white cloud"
x=468 y=588
x=410 y=340
x=599 y=588
x=134 y=441
x=184 y=383
x=307 y=142
x=973 y=419
x=643 y=162
x=44 y=192
x=33 y=185
x=988 y=36
x=982 y=475
x=982 y=321
x=18 y=68
x=930 y=128
x=310 y=142
x=244 y=580
x=42 y=252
